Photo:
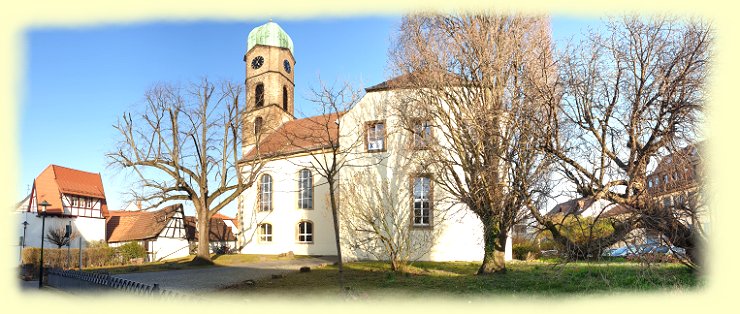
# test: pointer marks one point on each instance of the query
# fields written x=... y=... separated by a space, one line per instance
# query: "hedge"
x=97 y=256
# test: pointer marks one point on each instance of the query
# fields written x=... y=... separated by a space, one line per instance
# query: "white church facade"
x=288 y=207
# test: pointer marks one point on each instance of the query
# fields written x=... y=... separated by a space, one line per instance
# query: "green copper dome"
x=269 y=34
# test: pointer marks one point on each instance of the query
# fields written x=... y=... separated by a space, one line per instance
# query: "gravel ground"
x=212 y=278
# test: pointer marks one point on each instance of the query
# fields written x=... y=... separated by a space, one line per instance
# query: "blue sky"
x=78 y=81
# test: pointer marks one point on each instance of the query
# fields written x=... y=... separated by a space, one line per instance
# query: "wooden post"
x=80 y=253
x=69 y=246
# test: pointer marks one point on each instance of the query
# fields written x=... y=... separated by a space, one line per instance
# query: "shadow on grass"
x=458 y=278
x=192 y=262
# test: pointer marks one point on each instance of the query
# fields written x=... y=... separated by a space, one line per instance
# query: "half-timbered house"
x=160 y=232
x=73 y=196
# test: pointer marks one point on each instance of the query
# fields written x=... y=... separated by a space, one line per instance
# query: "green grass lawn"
x=184 y=263
x=458 y=278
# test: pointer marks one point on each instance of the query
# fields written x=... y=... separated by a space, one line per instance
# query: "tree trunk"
x=204 y=251
x=334 y=212
x=397 y=264
x=494 y=247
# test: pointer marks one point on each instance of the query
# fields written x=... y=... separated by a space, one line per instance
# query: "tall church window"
x=422 y=202
x=305 y=189
x=265 y=199
x=257 y=125
x=259 y=95
x=285 y=98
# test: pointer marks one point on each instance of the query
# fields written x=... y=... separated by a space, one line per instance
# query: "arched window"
x=285 y=98
x=305 y=232
x=259 y=95
x=305 y=189
x=257 y=125
x=265 y=199
x=265 y=233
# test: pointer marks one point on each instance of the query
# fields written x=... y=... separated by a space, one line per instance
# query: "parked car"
x=622 y=251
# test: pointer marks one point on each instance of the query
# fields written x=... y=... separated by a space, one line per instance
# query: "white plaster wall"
x=90 y=229
x=460 y=232
x=169 y=248
x=285 y=213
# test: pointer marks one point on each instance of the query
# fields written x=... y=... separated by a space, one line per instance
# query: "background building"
x=74 y=196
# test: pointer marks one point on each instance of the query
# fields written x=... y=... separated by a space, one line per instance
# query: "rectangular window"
x=422 y=202
x=375 y=136
x=422 y=134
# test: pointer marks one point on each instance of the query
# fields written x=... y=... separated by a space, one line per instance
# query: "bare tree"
x=467 y=75
x=626 y=97
x=376 y=219
x=56 y=235
x=186 y=147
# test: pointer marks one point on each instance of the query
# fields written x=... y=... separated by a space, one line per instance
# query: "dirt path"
x=212 y=278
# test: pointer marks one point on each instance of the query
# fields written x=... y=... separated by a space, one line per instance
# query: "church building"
x=287 y=209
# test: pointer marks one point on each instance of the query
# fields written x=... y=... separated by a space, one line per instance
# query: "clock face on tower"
x=286 y=66
x=257 y=62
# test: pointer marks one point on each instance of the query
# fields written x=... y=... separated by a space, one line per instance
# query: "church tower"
x=269 y=84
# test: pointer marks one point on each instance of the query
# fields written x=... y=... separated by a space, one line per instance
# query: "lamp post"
x=23 y=240
x=43 y=222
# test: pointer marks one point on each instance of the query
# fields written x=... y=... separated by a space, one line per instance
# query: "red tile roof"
x=55 y=180
x=579 y=205
x=224 y=217
x=415 y=80
x=572 y=207
x=124 y=226
x=298 y=136
x=219 y=230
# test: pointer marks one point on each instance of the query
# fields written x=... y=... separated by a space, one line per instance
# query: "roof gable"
x=123 y=226
x=57 y=180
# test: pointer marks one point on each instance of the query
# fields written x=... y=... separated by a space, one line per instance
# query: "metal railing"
x=76 y=280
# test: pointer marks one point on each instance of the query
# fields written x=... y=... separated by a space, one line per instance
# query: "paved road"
x=212 y=278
